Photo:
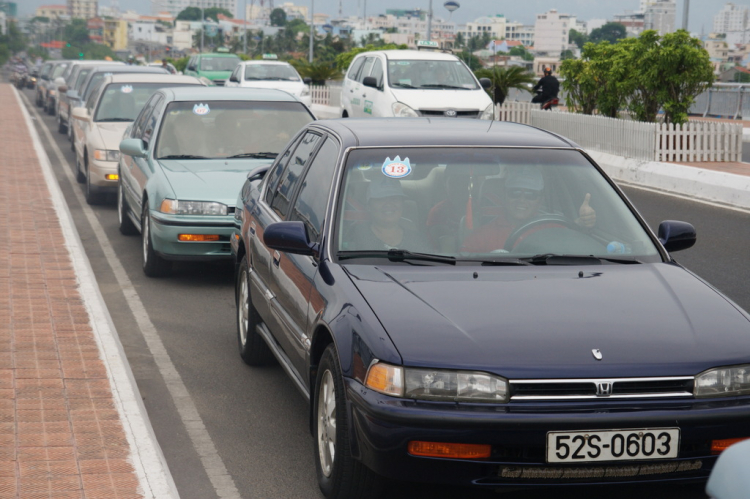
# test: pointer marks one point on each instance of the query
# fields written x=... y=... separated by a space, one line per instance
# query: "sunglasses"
x=525 y=194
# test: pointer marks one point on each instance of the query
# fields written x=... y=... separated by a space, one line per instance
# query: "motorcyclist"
x=547 y=88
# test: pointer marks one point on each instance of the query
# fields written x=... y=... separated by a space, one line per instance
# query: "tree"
x=580 y=85
x=580 y=39
x=190 y=14
x=459 y=41
x=740 y=77
x=567 y=54
x=319 y=72
x=76 y=33
x=471 y=60
x=278 y=17
x=610 y=32
x=213 y=13
x=505 y=78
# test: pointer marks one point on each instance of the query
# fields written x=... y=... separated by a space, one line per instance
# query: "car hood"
x=209 y=180
x=539 y=322
x=111 y=133
x=443 y=99
x=293 y=87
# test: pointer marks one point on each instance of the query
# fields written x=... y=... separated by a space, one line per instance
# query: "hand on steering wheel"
x=556 y=220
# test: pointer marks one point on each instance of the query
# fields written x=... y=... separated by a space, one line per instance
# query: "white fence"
x=326 y=95
x=696 y=141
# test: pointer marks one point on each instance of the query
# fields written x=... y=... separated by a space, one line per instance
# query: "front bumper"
x=165 y=230
x=383 y=426
x=97 y=171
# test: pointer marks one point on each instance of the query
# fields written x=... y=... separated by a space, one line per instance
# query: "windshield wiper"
x=440 y=85
x=114 y=119
x=396 y=255
x=265 y=155
x=405 y=85
x=183 y=156
x=555 y=259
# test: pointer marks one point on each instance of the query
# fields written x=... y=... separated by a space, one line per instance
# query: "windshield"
x=484 y=204
x=270 y=72
x=223 y=129
x=123 y=101
x=59 y=69
x=219 y=63
x=81 y=78
x=430 y=75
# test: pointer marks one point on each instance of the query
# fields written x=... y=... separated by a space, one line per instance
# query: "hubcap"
x=326 y=423
x=145 y=239
x=243 y=309
x=119 y=203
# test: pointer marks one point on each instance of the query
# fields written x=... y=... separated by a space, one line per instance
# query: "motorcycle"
x=549 y=104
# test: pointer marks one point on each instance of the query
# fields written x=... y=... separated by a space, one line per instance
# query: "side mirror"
x=59 y=81
x=191 y=68
x=233 y=78
x=72 y=94
x=370 y=81
x=676 y=236
x=80 y=113
x=307 y=80
x=62 y=89
x=133 y=147
x=289 y=237
x=258 y=173
x=485 y=82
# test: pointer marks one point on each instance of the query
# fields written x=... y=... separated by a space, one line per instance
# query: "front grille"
x=441 y=113
x=572 y=389
x=219 y=83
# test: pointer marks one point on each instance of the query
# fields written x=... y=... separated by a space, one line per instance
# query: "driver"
x=521 y=203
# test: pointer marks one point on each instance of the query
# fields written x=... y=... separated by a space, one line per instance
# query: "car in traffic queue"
x=108 y=112
x=271 y=73
x=482 y=306
x=413 y=83
x=76 y=75
x=44 y=71
x=184 y=160
x=216 y=66
x=49 y=86
x=78 y=97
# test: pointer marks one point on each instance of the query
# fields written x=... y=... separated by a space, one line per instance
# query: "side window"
x=137 y=131
x=354 y=69
x=377 y=72
x=312 y=200
x=366 y=69
x=151 y=119
x=93 y=98
x=275 y=174
x=291 y=176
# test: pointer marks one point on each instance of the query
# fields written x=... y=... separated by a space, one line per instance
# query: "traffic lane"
x=720 y=254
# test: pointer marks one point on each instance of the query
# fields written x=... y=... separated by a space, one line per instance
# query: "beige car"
x=101 y=122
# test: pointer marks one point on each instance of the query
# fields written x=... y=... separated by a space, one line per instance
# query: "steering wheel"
x=541 y=220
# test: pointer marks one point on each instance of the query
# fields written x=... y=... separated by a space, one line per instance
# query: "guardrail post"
x=739 y=102
x=708 y=102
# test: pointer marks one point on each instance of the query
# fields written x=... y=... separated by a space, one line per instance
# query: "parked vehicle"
x=39 y=95
x=76 y=74
x=481 y=305
x=271 y=74
x=183 y=163
x=49 y=92
x=215 y=66
x=411 y=83
x=110 y=109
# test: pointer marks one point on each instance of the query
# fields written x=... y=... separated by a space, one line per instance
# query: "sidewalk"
x=69 y=413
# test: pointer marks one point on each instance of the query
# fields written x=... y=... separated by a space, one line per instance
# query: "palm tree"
x=319 y=72
x=505 y=78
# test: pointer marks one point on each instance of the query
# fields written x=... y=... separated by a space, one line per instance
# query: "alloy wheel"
x=327 y=423
x=243 y=309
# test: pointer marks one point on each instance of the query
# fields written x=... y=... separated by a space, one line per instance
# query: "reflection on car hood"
x=111 y=133
x=443 y=98
x=209 y=179
x=538 y=322
x=293 y=87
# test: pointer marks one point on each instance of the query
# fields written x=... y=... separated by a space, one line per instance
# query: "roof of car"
x=230 y=94
x=421 y=55
x=265 y=61
x=149 y=77
x=374 y=132
x=107 y=68
x=218 y=54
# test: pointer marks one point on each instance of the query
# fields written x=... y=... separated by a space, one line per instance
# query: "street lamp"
x=429 y=22
x=203 y=23
x=312 y=28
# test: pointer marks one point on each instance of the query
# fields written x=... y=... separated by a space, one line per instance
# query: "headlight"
x=434 y=384
x=401 y=110
x=723 y=382
x=305 y=91
x=489 y=113
x=102 y=155
x=176 y=207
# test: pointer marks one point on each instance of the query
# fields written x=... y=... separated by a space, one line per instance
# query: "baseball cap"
x=384 y=188
x=525 y=177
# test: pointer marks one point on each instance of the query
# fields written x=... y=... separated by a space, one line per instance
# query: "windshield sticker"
x=396 y=168
x=126 y=89
x=201 y=109
x=368 y=106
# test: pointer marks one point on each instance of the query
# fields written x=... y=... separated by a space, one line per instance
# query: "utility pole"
x=244 y=29
x=203 y=22
x=429 y=22
x=312 y=28
x=685 y=13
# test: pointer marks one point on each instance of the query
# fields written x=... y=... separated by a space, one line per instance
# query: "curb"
x=325 y=112
x=725 y=189
x=145 y=453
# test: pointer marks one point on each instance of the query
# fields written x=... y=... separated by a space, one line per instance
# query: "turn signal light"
x=197 y=237
x=385 y=378
x=112 y=176
x=453 y=451
x=719 y=446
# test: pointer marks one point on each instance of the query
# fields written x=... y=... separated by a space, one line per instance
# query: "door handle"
x=364 y=95
x=276 y=259
x=351 y=91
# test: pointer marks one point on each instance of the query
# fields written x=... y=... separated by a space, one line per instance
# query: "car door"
x=376 y=103
x=278 y=319
x=349 y=100
x=360 y=107
x=292 y=275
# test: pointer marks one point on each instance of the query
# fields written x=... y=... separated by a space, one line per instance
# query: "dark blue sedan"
x=481 y=305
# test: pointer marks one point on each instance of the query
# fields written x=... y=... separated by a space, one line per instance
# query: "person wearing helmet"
x=547 y=88
x=131 y=60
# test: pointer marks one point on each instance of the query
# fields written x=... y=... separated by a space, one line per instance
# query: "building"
x=174 y=7
x=10 y=9
x=3 y=23
x=551 y=32
x=115 y=34
x=494 y=26
x=737 y=74
x=634 y=22
x=51 y=11
x=659 y=15
x=732 y=18
x=95 y=25
x=83 y=9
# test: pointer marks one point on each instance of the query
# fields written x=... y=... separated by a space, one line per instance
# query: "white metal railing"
x=699 y=141
x=518 y=112
x=321 y=94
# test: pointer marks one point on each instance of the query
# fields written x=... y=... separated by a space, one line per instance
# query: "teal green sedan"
x=184 y=161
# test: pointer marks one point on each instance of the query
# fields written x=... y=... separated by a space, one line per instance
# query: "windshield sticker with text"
x=396 y=168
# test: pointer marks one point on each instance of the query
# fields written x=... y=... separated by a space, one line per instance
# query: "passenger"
x=227 y=135
x=387 y=229
x=191 y=136
x=444 y=222
x=521 y=203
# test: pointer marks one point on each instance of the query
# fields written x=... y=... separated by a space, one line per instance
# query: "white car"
x=109 y=110
x=413 y=83
x=271 y=74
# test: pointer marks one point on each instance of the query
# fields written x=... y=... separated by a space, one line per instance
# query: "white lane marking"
x=146 y=456
x=212 y=463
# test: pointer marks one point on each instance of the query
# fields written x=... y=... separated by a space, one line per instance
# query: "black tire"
x=153 y=264
x=62 y=128
x=50 y=109
x=92 y=196
x=127 y=227
x=345 y=477
x=253 y=349
x=80 y=175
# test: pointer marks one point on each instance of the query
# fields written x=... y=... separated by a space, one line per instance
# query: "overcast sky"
x=701 y=11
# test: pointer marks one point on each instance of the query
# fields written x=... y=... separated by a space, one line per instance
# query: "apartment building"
x=83 y=9
x=51 y=11
x=660 y=15
x=732 y=18
x=551 y=32
x=174 y=7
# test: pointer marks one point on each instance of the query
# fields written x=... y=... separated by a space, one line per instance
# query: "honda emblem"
x=604 y=389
